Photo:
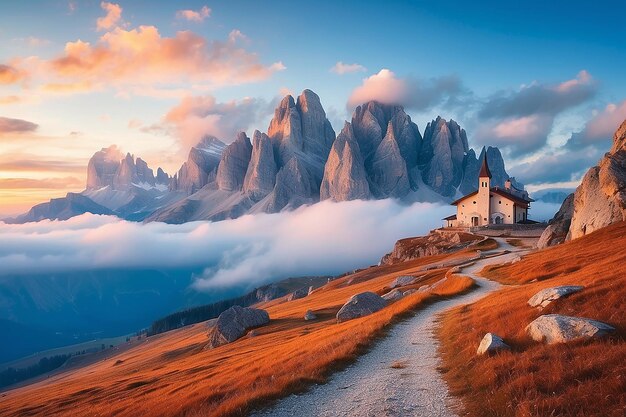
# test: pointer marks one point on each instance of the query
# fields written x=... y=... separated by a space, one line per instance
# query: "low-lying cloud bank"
x=325 y=238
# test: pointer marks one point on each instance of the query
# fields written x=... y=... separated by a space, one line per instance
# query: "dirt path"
x=371 y=387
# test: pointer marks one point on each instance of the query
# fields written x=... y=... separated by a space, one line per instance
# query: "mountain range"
x=379 y=154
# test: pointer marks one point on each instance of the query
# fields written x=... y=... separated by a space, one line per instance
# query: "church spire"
x=484 y=169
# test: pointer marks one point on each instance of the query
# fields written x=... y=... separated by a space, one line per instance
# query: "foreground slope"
x=583 y=378
x=174 y=373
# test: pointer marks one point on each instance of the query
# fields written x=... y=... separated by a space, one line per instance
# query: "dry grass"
x=585 y=378
x=173 y=375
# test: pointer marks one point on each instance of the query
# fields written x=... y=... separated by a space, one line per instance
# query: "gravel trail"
x=371 y=387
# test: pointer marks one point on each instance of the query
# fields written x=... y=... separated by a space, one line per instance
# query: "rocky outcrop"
x=433 y=244
x=261 y=173
x=360 y=305
x=294 y=186
x=557 y=230
x=297 y=294
x=388 y=171
x=344 y=174
x=402 y=281
x=233 y=324
x=555 y=328
x=309 y=315
x=491 y=343
x=393 y=295
x=269 y=292
x=133 y=172
x=548 y=295
x=442 y=156
x=600 y=199
x=231 y=171
x=200 y=167
x=317 y=132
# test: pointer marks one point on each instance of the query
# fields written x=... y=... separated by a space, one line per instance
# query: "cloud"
x=8 y=125
x=10 y=99
x=197 y=116
x=341 y=68
x=33 y=163
x=10 y=75
x=599 y=130
x=537 y=98
x=520 y=121
x=47 y=183
x=386 y=87
x=194 y=16
x=322 y=239
x=112 y=18
x=560 y=165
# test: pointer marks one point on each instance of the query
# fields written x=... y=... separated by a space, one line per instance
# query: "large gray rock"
x=547 y=295
x=491 y=343
x=344 y=174
x=555 y=328
x=233 y=324
x=309 y=315
x=200 y=167
x=297 y=294
x=360 y=305
x=393 y=295
x=557 y=230
x=261 y=174
x=600 y=199
x=388 y=172
x=234 y=164
x=317 y=132
x=403 y=280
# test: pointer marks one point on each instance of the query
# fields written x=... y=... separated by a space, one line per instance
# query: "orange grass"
x=173 y=373
x=584 y=378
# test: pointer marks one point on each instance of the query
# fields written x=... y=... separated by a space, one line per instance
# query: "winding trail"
x=370 y=387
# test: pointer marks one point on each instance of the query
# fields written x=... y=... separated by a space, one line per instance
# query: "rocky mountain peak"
x=261 y=173
x=619 y=138
x=345 y=177
x=200 y=167
x=234 y=164
x=103 y=166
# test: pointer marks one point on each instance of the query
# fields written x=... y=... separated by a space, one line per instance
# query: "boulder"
x=393 y=295
x=309 y=315
x=555 y=328
x=402 y=281
x=233 y=324
x=297 y=294
x=547 y=295
x=360 y=305
x=491 y=343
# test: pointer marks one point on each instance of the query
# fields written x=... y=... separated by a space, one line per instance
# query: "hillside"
x=173 y=373
x=584 y=378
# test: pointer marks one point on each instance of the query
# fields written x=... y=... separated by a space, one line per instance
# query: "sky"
x=544 y=81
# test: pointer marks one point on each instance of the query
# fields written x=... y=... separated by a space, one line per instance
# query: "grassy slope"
x=172 y=373
x=585 y=378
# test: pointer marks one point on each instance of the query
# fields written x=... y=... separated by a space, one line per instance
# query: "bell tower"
x=484 y=186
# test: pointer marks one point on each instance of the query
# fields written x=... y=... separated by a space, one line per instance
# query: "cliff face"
x=599 y=200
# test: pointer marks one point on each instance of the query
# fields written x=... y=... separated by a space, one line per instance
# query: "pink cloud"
x=10 y=74
x=194 y=16
x=341 y=68
x=112 y=17
x=383 y=87
x=583 y=78
x=604 y=124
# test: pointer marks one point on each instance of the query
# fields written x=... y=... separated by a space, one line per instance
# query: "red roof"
x=496 y=190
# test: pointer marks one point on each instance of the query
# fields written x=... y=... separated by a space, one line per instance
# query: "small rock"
x=393 y=295
x=309 y=315
x=253 y=333
x=409 y=292
x=547 y=295
x=555 y=328
x=233 y=323
x=360 y=305
x=516 y=259
x=297 y=294
x=402 y=281
x=491 y=343
x=310 y=290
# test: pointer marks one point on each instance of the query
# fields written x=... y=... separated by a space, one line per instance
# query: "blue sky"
x=525 y=76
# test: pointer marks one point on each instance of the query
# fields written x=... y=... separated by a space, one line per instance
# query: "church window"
x=474 y=202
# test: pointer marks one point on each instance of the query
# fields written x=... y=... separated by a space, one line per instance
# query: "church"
x=490 y=205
